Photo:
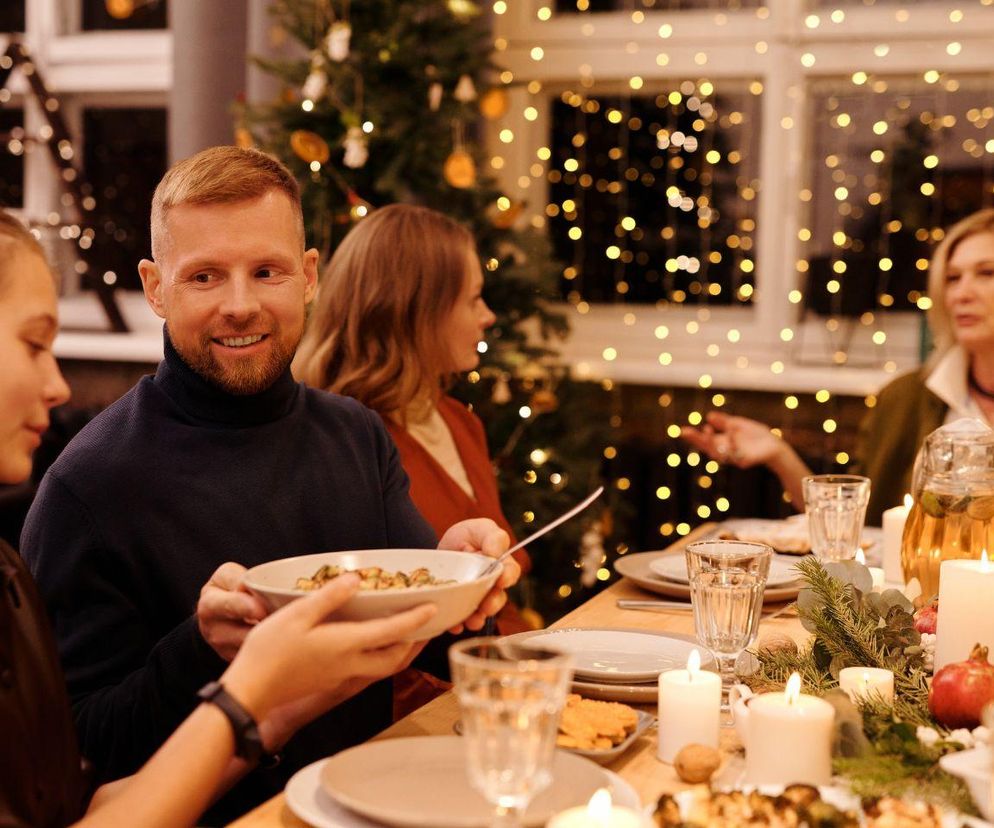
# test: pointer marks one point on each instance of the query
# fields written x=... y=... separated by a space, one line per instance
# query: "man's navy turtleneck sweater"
x=160 y=489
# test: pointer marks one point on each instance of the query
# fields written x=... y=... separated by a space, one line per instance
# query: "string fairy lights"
x=864 y=129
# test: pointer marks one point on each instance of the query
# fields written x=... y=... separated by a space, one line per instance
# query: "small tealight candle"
x=965 y=619
x=599 y=812
x=789 y=738
x=893 y=521
x=689 y=708
x=876 y=573
x=859 y=682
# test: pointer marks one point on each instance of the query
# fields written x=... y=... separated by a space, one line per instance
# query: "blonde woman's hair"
x=376 y=331
x=14 y=235
x=938 y=316
x=221 y=175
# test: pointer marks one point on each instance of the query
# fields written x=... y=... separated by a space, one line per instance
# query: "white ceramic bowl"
x=275 y=583
x=974 y=768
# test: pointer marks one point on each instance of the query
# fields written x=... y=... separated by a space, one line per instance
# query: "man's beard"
x=247 y=376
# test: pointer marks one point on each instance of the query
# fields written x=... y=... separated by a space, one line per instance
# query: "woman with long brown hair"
x=399 y=314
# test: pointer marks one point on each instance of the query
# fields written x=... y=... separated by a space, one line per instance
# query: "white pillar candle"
x=965 y=617
x=859 y=682
x=689 y=708
x=789 y=738
x=894 y=520
x=597 y=813
x=876 y=573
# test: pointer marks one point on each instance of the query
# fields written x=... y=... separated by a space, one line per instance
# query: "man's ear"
x=152 y=285
x=310 y=273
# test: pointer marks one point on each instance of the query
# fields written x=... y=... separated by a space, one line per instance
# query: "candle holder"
x=727 y=582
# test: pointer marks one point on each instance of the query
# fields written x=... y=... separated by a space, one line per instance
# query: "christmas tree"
x=385 y=107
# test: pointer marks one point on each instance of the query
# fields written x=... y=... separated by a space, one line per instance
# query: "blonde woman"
x=399 y=314
x=956 y=381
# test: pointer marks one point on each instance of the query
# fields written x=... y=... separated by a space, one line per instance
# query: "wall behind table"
x=665 y=485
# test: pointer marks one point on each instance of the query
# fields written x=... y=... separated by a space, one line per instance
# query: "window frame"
x=619 y=48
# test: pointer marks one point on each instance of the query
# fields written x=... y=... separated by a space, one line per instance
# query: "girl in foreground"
x=292 y=667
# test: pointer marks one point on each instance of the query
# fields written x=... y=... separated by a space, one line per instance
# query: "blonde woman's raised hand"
x=736 y=440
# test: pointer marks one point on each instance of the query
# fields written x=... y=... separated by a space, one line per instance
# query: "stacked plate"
x=666 y=574
x=421 y=782
x=615 y=664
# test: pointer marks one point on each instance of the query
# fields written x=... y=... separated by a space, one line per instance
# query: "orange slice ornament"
x=309 y=146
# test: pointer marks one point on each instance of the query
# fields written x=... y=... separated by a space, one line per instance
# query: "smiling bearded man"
x=231 y=279
x=218 y=462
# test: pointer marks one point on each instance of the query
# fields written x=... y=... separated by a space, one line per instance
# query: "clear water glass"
x=510 y=702
x=727 y=582
x=836 y=508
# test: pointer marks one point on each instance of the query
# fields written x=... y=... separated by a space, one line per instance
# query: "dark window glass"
x=11 y=157
x=100 y=15
x=124 y=158
x=12 y=15
x=567 y=6
x=653 y=197
x=893 y=162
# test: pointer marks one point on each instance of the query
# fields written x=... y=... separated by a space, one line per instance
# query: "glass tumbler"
x=510 y=700
x=727 y=582
x=836 y=507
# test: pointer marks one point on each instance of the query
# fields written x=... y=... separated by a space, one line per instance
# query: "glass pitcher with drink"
x=953 y=511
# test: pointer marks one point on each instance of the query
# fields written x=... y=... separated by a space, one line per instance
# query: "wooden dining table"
x=639 y=765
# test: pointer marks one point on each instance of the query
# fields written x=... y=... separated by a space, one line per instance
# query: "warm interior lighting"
x=866 y=679
x=693 y=664
x=599 y=806
x=860 y=557
x=793 y=689
x=908 y=501
x=984 y=563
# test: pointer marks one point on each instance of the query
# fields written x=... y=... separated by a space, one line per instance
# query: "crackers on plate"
x=587 y=724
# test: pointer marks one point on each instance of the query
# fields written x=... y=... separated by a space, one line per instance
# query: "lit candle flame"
x=860 y=557
x=866 y=679
x=693 y=664
x=793 y=688
x=599 y=806
x=908 y=501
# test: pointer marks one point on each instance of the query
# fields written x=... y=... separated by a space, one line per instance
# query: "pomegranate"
x=961 y=690
x=926 y=618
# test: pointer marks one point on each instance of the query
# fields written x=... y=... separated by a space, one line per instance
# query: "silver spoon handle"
x=549 y=526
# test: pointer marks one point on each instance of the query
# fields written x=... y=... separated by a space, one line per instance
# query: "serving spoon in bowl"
x=547 y=528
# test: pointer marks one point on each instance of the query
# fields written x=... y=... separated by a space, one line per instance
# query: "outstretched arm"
x=746 y=443
x=294 y=660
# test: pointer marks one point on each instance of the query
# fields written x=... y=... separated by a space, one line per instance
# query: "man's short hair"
x=221 y=175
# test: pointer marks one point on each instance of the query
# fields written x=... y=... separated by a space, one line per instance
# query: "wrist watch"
x=248 y=742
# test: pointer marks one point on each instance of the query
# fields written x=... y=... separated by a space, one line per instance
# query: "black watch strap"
x=248 y=742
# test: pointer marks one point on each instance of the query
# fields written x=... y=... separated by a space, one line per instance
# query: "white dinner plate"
x=674 y=568
x=421 y=782
x=615 y=656
x=309 y=802
x=637 y=568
